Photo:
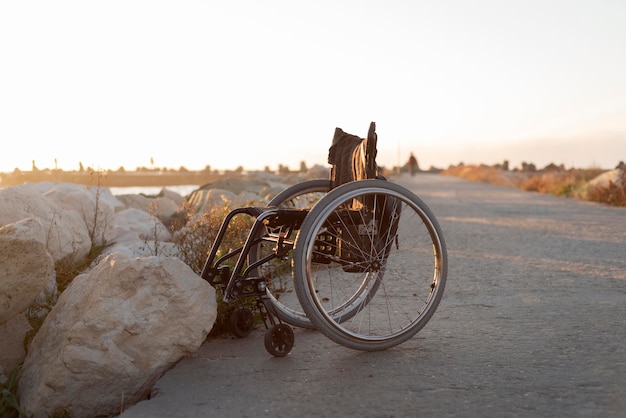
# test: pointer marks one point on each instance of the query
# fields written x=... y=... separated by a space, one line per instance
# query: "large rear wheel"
x=370 y=265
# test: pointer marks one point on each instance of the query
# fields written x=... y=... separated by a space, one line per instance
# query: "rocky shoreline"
x=111 y=330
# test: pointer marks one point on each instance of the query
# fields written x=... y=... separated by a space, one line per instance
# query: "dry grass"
x=194 y=236
x=483 y=173
x=565 y=183
x=613 y=194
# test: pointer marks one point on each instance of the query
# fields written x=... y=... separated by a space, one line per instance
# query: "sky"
x=249 y=83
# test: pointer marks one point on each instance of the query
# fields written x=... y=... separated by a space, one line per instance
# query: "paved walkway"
x=532 y=324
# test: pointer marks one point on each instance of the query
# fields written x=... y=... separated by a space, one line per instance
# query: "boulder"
x=318 y=172
x=103 y=193
x=66 y=235
x=89 y=205
x=171 y=195
x=112 y=334
x=28 y=228
x=615 y=176
x=268 y=193
x=136 y=249
x=237 y=185
x=26 y=269
x=136 y=233
x=132 y=225
x=203 y=200
x=160 y=206
x=13 y=334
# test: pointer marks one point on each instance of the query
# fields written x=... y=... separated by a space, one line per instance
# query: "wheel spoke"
x=383 y=266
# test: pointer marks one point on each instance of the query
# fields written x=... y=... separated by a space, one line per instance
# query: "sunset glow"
x=257 y=84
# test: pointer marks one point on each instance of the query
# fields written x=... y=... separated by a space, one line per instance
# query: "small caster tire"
x=279 y=340
x=241 y=322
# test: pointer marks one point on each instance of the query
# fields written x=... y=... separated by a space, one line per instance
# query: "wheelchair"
x=357 y=257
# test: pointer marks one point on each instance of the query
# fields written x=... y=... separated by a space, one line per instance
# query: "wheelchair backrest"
x=352 y=158
x=370 y=221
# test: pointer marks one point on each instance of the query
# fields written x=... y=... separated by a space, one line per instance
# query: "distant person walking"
x=413 y=165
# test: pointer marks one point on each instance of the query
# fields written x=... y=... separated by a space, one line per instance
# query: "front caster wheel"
x=241 y=322
x=279 y=340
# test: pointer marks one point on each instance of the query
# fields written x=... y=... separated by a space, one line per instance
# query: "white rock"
x=203 y=200
x=25 y=268
x=89 y=205
x=113 y=333
x=172 y=195
x=131 y=225
x=268 y=193
x=614 y=176
x=136 y=249
x=237 y=185
x=163 y=207
x=105 y=195
x=29 y=228
x=248 y=199
x=12 y=334
x=66 y=236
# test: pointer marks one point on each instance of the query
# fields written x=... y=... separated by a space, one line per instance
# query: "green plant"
x=9 y=406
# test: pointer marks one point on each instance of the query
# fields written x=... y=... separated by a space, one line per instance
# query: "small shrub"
x=152 y=242
x=96 y=222
x=613 y=194
x=485 y=174
x=552 y=182
x=565 y=183
x=571 y=183
x=533 y=184
x=194 y=238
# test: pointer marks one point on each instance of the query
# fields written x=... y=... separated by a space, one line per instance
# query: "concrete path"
x=532 y=324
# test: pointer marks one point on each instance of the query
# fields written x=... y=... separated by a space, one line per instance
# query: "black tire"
x=398 y=238
x=279 y=340
x=278 y=272
x=241 y=322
